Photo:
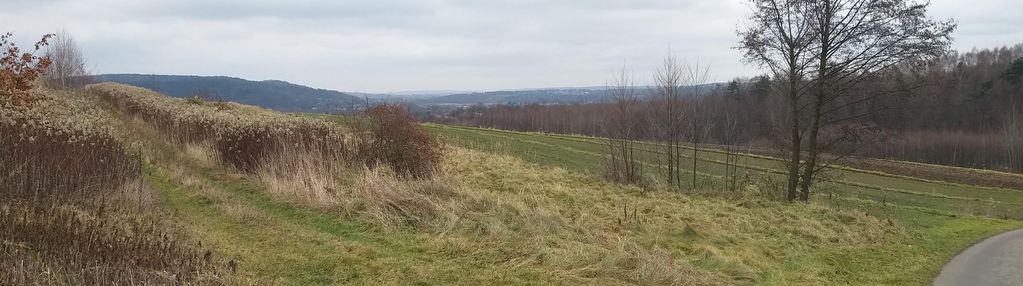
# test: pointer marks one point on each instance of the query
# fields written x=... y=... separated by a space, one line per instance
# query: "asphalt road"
x=995 y=261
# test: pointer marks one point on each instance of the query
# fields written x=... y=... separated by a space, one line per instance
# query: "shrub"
x=400 y=142
x=18 y=70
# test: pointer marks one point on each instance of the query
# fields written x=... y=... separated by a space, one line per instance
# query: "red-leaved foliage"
x=18 y=70
x=399 y=141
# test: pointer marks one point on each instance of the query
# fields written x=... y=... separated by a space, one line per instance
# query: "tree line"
x=871 y=78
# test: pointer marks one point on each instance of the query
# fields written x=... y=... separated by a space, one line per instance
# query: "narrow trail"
x=272 y=241
x=995 y=261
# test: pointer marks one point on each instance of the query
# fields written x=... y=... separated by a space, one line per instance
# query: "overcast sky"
x=399 y=45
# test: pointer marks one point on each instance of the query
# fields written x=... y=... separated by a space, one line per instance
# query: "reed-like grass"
x=297 y=157
x=74 y=210
x=61 y=150
x=51 y=244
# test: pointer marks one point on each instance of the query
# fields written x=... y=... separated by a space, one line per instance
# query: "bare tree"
x=68 y=69
x=1012 y=129
x=667 y=118
x=778 y=37
x=855 y=40
x=676 y=85
x=619 y=128
x=825 y=49
x=726 y=129
x=695 y=78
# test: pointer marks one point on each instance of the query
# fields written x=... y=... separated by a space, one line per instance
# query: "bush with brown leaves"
x=18 y=71
x=400 y=142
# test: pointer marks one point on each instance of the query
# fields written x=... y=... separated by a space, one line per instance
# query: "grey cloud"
x=384 y=45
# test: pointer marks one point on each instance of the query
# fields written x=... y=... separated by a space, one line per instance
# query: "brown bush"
x=400 y=142
x=18 y=70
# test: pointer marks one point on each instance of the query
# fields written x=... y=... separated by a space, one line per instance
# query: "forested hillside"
x=273 y=94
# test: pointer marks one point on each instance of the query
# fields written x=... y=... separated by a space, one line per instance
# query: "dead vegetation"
x=399 y=141
x=74 y=209
x=586 y=230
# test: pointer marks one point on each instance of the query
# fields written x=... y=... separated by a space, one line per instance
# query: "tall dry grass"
x=61 y=149
x=72 y=203
x=50 y=244
x=298 y=158
x=572 y=226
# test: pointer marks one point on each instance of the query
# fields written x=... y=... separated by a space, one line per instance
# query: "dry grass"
x=243 y=136
x=503 y=213
x=297 y=158
x=61 y=149
x=75 y=211
x=586 y=231
x=63 y=245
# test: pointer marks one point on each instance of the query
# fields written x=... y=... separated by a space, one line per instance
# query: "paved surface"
x=995 y=261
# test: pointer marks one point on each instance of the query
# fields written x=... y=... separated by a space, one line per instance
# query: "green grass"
x=539 y=215
x=276 y=242
x=932 y=212
x=586 y=154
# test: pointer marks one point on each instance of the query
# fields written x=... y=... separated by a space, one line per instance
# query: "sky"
x=403 y=45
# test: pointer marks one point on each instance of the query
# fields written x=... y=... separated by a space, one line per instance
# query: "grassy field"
x=585 y=154
x=505 y=220
x=520 y=208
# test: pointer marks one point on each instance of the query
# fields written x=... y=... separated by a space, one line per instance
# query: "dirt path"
x=995 y=261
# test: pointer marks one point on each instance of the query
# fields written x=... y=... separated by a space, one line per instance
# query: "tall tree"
x=855 y=40
x=668 y=118
x=778 y=37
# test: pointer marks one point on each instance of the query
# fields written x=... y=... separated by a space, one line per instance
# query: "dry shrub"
x=400 y=142
x=18 y=70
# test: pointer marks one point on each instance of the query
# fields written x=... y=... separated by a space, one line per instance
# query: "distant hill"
x=273 y=94
x=541 y=96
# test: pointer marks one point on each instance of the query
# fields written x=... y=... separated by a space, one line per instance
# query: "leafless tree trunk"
x=1013 y=131
x=619 y=125
x=727 y=126
x=855 y=40
x=779 y=38
x=668 y=117
x=696 y=77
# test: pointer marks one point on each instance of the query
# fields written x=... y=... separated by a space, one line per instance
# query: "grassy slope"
x=276 y=242
x=523 y=223
x=929 y=209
